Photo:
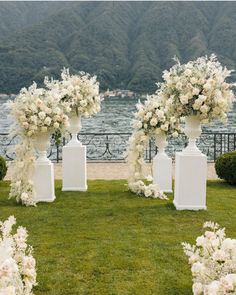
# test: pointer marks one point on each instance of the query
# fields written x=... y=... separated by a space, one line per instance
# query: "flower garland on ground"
x=17 y=265
x=213 y=262
x=78 y=94
x=34 y=111
x=151 y=119
x=199 y=88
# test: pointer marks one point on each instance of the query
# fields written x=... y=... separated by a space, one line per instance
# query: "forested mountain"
x=126 y=44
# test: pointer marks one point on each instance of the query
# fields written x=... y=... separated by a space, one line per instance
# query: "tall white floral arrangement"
x=213 y=262
x=34 y=111
x=78 y=94
x=151 y=119
x=199 y=87
x=17 y=264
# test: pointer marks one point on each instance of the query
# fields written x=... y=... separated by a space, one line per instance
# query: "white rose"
x=48 y=121
x=188 y=72
x=229 y=244
x=184 y=99
x=42 y=115
x=200 y=241
x=57 y=111
x=207 y=86
x=197 y=268
x=56 y=125
x=83 y=103
x=153 y=122
x=164 y=127
x=196 y=91
x=179 y=86
x=139 y=125
x=175 y=134
x=204 y=108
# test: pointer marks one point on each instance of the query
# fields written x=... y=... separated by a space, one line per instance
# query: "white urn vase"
x=193 y=130
x=161 y=144
x=74 y=129
x=162 y=165
x=41 y=144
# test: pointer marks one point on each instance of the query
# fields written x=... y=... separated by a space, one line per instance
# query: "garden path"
x=115 y=171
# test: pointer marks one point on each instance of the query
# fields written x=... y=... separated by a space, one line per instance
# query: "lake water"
x=115 y=117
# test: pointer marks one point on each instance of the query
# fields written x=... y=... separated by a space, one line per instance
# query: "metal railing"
x=112 y=146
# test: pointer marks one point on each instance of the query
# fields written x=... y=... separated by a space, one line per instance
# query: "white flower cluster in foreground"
x=17 y=265
x=151 y=119
x=200 y=88
x=213 y=262
x=34 y=111
x=78 y=94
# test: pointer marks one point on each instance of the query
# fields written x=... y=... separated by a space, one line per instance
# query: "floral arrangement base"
x=74 y=168
x=190 y=182
x=162 y=172
x=43 y=179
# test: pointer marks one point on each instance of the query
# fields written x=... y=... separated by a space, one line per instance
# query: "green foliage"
x=3 y=168
x=226 y=167
x=126 y=44
x=108 y=241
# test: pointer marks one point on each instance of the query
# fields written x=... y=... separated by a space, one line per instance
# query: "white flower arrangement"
x=199 y=88
x=34 y=111
x=17 y=265
x=151 y=119
x=213 y=262
x=78 y=94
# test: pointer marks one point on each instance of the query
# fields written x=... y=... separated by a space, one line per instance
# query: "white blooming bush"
x=151 y=119
x=34 y=111
x=213 y=262
x=17 y=265
x=78 y=94
x=199 y=88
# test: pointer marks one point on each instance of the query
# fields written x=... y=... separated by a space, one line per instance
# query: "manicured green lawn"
x=108 y=241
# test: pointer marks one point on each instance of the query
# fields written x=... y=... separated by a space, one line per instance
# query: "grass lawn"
x=108 y=241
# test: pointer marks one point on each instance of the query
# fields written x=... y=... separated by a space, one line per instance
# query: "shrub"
x=3 y=168
x=226 y=167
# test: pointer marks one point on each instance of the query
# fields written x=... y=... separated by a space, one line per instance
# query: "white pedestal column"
x=44 y=182
x=190 y=182
x=191 y=171
x=43 y=176
x=162 y=172
x=162 y=165
x=74 y=168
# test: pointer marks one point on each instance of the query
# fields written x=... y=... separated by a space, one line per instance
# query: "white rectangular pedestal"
x=162 y=173
x=190 y=182
x=43 y=179
x=74 y=169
